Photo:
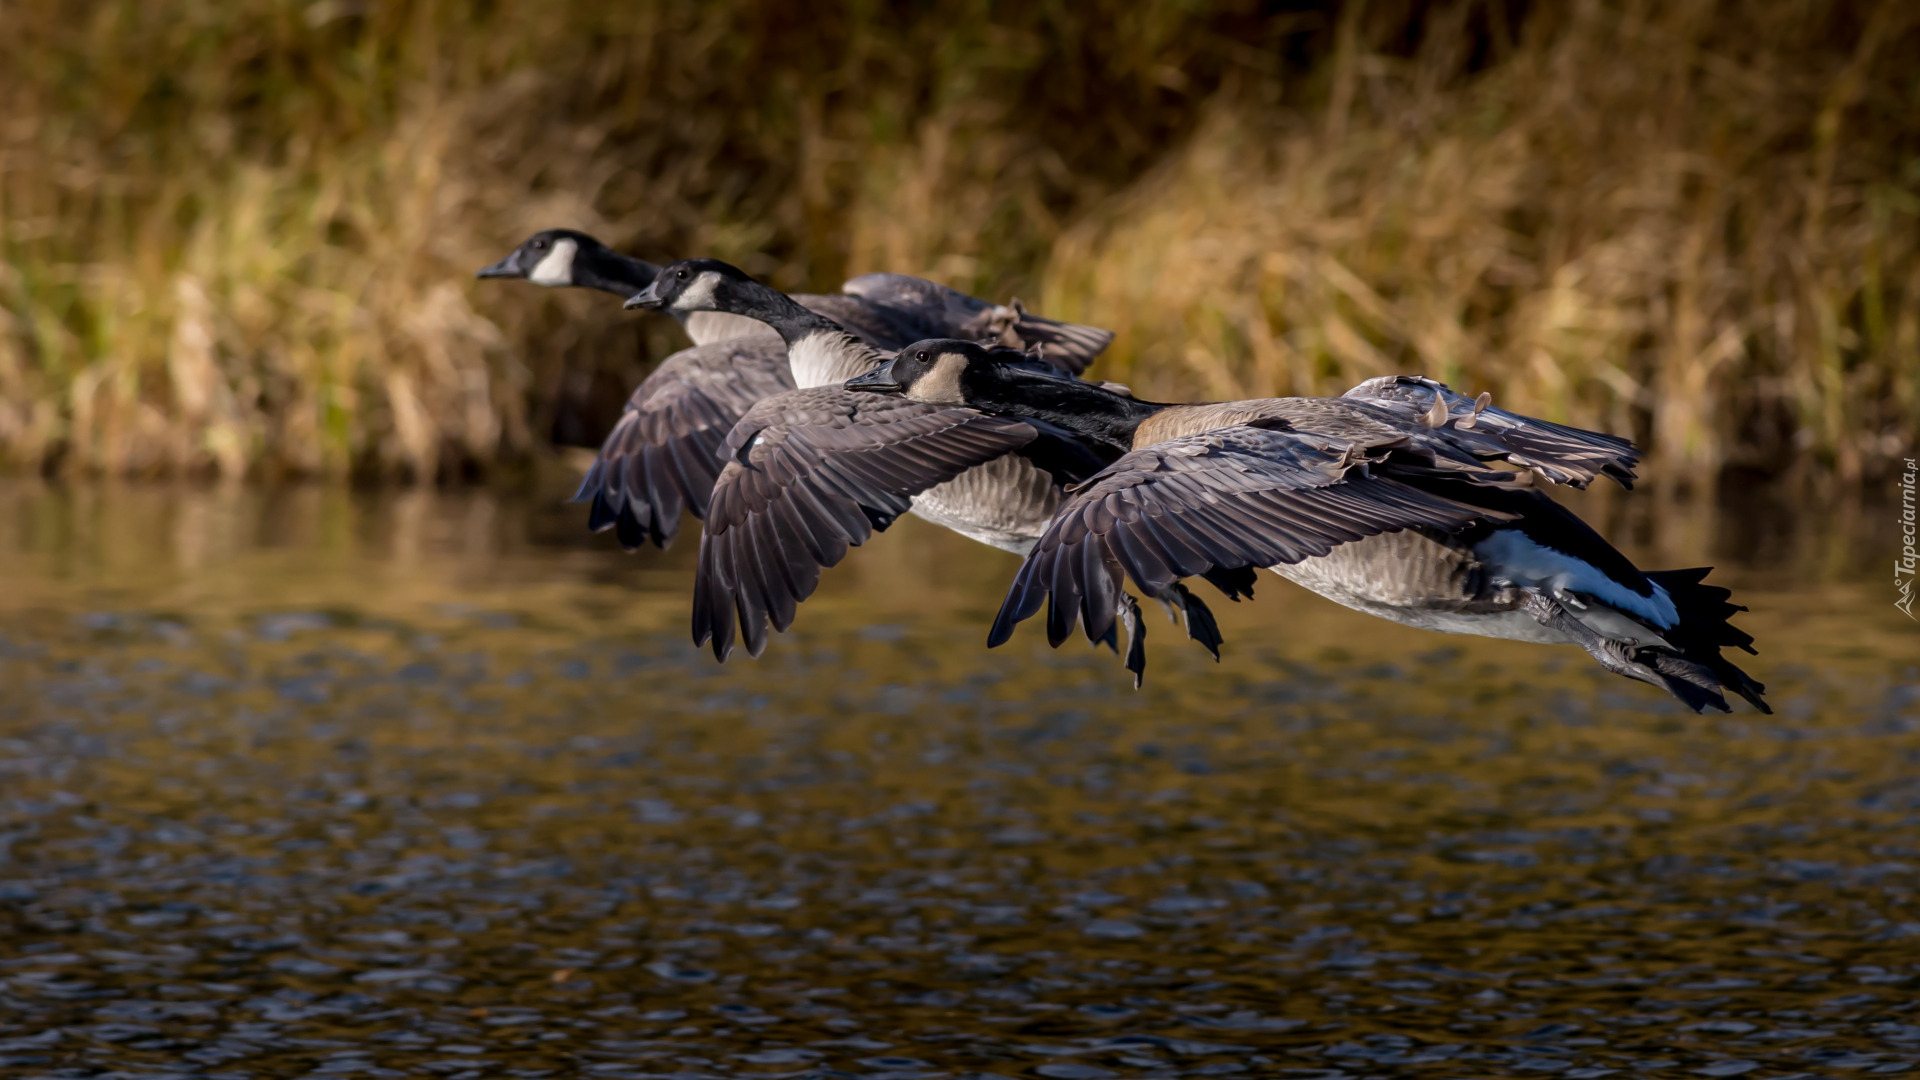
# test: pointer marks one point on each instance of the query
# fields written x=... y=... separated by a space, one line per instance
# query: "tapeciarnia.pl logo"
x=1903 y=567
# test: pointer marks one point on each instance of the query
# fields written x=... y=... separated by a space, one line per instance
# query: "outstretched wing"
x=662 y=457
x=810 y=473
x=938 y=311
x=1216 y=504
x=1564 y=455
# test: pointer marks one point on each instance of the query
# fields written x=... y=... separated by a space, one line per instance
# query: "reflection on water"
x=316 y=783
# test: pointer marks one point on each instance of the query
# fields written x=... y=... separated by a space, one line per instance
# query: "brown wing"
x=809 y=474
x=1564 y=455
x=662 y=457
x=1216 y=504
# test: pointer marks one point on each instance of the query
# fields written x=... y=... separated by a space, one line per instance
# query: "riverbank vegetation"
x=238 y=236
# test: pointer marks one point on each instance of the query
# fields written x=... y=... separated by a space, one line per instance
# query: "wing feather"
x=1556 y=452
x=811 y=473
x=658 y=462
x=1219 y=504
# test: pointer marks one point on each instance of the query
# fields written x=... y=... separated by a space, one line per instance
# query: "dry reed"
x=236 y=236
x=1694 y=222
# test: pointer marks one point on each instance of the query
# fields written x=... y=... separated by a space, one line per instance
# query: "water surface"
x=315 y=783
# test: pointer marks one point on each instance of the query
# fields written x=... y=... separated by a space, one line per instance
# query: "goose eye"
x=921 y=356
x=681 y=274
x=539 y=245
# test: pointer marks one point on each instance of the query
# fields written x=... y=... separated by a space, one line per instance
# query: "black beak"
x=503 y=268
x=648 y=297
x=879 y=380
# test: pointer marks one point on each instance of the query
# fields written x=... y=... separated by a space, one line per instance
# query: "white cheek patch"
x=940 y=386
x=556 y=268
x=699 y=295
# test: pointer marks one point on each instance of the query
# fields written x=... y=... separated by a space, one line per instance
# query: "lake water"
x=310 y=782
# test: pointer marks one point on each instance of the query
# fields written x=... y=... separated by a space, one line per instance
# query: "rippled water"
x=313 y=783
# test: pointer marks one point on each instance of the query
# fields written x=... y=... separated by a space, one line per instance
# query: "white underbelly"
x=989 y=535
x=1511 y=624
x=1425 y=581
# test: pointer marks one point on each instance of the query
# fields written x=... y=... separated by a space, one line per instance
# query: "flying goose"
x=1380 y=500
x=1002 y=495
x=660 y=457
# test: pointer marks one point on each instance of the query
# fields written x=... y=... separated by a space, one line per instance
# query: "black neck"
x=1086 y=409
x=776 y=309
x=610 y=271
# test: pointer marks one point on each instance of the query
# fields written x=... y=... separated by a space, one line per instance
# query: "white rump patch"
x=556 y=268
x=1511 y=556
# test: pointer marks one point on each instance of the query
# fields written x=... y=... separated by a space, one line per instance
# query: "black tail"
x=1693 y=669
x=1703 y=629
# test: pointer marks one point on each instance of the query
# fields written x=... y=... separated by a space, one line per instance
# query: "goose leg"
x=1178 y=602
x=1200 y=624
x=1684 y=679
x=1181 y=605
x=1129 y=615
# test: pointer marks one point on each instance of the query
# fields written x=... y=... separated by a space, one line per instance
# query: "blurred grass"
x=1694 y=222
x=238 y=235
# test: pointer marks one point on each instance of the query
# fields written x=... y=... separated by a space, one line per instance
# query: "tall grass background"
x=238 y=236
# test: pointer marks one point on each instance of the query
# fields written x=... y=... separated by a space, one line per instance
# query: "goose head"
x=949 y=371
x=546 y=258
x=698 y=285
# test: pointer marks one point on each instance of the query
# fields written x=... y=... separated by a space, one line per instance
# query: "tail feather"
x=1703 y=630
x=1071 y=345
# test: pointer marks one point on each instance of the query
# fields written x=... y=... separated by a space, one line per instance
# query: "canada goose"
x=660 y=457
x=559 y=258
x=1002 y=495
x=1379 y=500
x=888 y=310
